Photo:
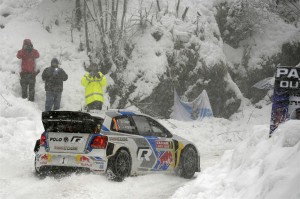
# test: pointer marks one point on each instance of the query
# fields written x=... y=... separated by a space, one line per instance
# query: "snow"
x=275 y=33
x=258 y=168
x=238 y=159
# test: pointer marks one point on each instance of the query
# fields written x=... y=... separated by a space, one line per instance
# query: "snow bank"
x=258 y=168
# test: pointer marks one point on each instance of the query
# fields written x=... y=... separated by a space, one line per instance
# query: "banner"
x=188 y=111
x=286 y=96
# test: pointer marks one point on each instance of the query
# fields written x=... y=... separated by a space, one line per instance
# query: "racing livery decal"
x=165 y=160
x=118 y=139
x=77 y=139
x=67 y=148
x=163 y=153
x=147 y=158
x=144 y=153
x=44 y=159
x=83 y=160
x=163 y=144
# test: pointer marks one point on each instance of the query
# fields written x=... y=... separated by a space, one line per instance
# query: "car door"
x=160 y=140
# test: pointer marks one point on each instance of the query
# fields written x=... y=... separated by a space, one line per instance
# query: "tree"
x=78 y=14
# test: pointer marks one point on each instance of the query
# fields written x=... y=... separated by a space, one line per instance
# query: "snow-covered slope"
x=258 y=168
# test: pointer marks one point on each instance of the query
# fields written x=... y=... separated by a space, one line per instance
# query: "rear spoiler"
x=48 y=117
x=65 y=115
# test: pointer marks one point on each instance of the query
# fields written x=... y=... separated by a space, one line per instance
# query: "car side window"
x=142 y=125
x=148 y=127
x=158 y=130
x=123 y=125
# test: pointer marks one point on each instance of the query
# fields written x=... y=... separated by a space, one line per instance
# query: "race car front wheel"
x=120 y=165
x=188 y=162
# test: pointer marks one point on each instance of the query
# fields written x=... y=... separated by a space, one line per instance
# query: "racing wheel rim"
x=189 y=162
x=122 y=164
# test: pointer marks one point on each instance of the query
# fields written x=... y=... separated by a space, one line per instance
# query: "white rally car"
x=117 y=142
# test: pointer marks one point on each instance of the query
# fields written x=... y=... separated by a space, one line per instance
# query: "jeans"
x=52 y=100
x=27 y=82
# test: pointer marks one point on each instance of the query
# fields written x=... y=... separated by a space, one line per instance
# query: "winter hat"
x=93 y=67
x=27 y=42
x=54 y=61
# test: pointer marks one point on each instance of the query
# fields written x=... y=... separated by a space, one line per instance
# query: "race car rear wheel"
x=188 y=162
x=121 y=165
x=38 y=171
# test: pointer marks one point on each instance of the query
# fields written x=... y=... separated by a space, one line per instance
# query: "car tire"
x=37 y=170
x=120 y=165
x=40 y=172
x=188 y=162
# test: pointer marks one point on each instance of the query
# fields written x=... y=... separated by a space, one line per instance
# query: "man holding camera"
x=28 y=69
x=94 y=82
x=54 y=78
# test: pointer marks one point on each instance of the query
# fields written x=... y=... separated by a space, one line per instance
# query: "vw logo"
x=66 y=139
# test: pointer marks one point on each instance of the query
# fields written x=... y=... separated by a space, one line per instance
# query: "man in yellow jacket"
x=94 y=82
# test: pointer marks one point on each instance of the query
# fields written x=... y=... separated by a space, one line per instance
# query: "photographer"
x=53 y=77
x=94 y=82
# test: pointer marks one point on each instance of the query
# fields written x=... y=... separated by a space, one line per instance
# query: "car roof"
x=113 y=112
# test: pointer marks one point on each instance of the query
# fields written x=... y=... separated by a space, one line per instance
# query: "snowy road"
x=18 y=180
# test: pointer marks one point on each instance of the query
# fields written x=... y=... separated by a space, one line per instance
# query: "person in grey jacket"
x=54 y=78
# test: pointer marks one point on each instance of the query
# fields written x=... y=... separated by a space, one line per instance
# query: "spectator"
x=53 y=77
x=28 y=69
x=94 y=82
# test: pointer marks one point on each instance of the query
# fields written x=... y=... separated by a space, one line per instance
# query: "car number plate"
x=63 y=160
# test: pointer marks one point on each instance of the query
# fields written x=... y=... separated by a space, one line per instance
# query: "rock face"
x=186 y=65
x=188 y=73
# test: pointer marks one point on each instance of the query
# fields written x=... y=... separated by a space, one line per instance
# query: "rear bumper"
x=97 y=163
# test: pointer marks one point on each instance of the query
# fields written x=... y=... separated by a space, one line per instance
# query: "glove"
x=55 y=72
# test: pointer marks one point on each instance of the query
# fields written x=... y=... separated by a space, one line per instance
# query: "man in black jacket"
x=53 y=77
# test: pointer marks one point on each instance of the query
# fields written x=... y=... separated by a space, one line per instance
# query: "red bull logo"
x=44 y=157
x=84 y=159
x=165 y=159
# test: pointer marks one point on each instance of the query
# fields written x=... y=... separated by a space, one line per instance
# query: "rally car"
x=116 y=142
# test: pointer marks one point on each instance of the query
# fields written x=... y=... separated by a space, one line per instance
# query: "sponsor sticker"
x=67 y=148
x=56 y=139
x=45 y=158
x=100 y=165
x=120 y=139
x=83 y=161
x=96 y=158
x=77 y=139
x=165 y=159
x=144 y=153
x=163 y=144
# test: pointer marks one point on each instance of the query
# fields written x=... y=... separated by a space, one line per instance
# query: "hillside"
x=238 y=159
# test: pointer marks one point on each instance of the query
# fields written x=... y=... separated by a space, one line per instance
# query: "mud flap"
x=37 y=146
